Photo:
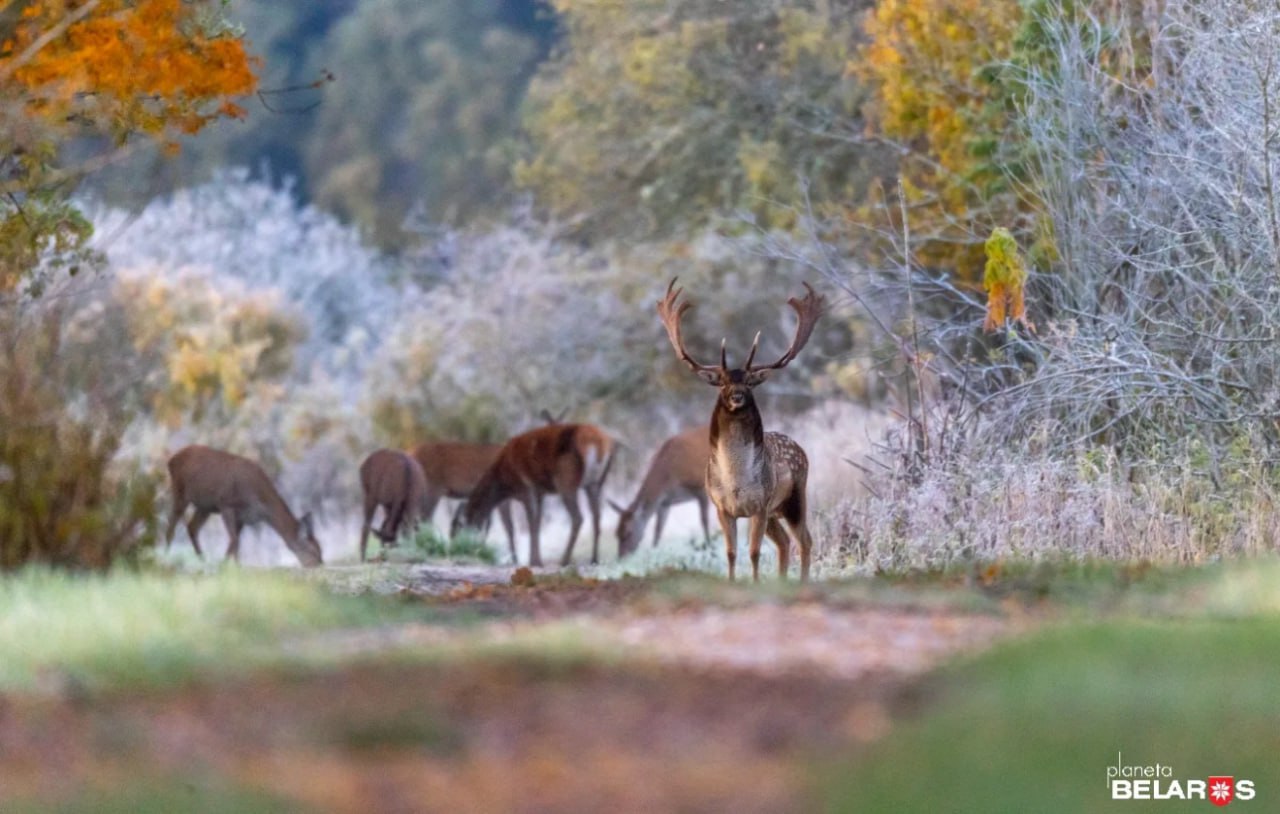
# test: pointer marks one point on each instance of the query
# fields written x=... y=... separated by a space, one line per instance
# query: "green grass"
x=59 y=629
x=1033 y=725
x=190 y=797
x=429 y=543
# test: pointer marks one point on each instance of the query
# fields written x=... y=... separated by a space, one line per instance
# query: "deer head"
x=735 y=383
x=305 y=544
x=629 y=531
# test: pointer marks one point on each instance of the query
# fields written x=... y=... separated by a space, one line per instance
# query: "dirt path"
x=584 y=696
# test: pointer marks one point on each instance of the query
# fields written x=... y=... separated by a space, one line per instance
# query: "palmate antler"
x=808 y=310
x=671 y=310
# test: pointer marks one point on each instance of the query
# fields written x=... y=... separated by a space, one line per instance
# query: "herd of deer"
x=743 y=470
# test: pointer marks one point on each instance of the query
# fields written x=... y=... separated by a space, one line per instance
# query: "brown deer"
x=452 y=469
x=238 y=489
x=560 y=458
x=677 y=473
x=751 y=473
x=393 y=480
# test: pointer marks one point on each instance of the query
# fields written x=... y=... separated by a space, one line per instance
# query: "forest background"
x=1047 y=229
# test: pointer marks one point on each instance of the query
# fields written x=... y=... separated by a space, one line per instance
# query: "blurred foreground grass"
x=1184 y=675
x=151 y=627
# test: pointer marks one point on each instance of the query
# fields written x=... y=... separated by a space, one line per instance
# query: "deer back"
x=455 y=467
x=389 y=476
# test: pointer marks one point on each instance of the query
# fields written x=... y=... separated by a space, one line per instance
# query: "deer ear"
x=711 y=377
x=754 y=377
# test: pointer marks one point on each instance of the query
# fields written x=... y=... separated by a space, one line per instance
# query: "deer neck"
x=489 y=491
x=277 y=514
x=737 y=444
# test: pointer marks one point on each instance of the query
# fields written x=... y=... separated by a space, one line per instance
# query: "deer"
x=560 y=458
x=751 y=473
x=676 y=474
x=452 y=469
x=238 y=489
x=393 y=480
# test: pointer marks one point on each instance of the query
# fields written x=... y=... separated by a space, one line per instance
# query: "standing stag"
x=677 y=473
x=561 y=458
x=752 y=473
x=238 y=489
x=393 y=480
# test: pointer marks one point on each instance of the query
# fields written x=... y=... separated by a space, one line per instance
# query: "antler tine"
x=671 y=310
x=808 y=310
x=755 y=343
x=724 y=360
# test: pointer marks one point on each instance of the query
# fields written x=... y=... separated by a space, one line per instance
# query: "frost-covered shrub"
x=234 y=228
x=521 y=323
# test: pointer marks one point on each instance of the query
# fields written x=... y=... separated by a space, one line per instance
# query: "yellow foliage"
x=1004 y=279
x=922 y=61
x=216 y=348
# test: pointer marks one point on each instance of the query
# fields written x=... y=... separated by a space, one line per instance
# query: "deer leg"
x=369 y=509
x=729 y=525
x=533 y=513
x=702 y=514
x=570 y=498
x=193 y=529
x=593 y=505
x=659 y=520
x=755 y=535
x=179 y=506
x=800 y=530
x=387 y=533
x=794 y=512
x=508 y=525
x=778 y=534
x=457 y=514
x=232 y=522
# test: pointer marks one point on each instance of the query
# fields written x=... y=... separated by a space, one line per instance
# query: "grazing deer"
x=677 y=473
x=240 y=491
x=751 y=473
x=393 y=480
x=560 y=458
x=452 y=469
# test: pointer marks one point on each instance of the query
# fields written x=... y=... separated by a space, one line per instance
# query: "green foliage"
x=44 y=233
x=62 y=502
x=656 y=117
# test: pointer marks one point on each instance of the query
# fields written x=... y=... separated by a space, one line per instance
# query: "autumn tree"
x=942 y=91
x=656 y=117
x=82 y=83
